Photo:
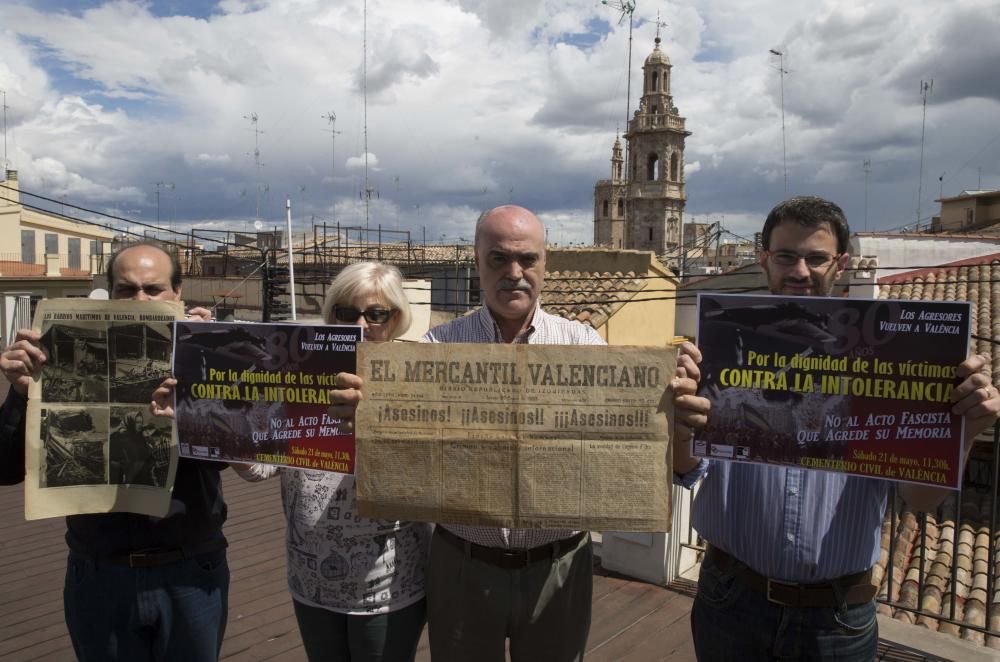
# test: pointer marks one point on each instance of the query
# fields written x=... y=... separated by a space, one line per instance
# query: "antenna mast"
x=364 y=101
x=867 y=167
x=331 y=117
x=784 y=151
x=925 y=89
x=256 y=158
x=4 y=106
x=626 y=7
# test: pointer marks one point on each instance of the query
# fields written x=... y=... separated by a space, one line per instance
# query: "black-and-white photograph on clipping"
x=138 y=447
x=139 y=359
x=77 y=366
x=88 y=430
x=73 y=440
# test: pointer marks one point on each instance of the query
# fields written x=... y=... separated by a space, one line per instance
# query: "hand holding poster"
x=258 y=393
x=848 y=385
x=92 y=445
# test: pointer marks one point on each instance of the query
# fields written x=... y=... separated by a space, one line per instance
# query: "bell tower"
x=656 y=138
x=653 y=190
x=609 y=203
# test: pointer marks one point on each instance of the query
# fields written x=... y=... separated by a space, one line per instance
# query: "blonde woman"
x=357 y=584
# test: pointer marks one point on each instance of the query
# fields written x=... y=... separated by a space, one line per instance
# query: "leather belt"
x=854 y=589
x=151 y=558
x=510 y=559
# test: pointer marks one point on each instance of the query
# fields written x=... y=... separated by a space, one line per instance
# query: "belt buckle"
x=772 y=583
x=514 y=557
x=139 y=559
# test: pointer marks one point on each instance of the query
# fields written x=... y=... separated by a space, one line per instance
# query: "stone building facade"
x=642 y=205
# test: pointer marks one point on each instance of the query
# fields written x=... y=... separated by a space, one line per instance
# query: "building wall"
x=918 y=250
x=418 y=292
x=609 y=229
x=970 y=213
x=14 y=219
x=646 y=323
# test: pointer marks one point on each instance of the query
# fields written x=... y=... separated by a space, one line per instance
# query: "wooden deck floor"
x=631 y=620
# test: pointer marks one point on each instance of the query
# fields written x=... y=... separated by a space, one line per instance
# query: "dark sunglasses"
x=371 y=315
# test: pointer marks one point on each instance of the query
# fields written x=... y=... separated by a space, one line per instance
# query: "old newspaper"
x=526 y=436
x=92 y=445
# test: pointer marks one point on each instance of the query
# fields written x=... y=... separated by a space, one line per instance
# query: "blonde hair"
x=363 y=278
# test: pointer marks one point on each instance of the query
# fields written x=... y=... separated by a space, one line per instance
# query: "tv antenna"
x=331 y=117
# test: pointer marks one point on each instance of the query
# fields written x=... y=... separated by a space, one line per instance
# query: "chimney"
x=9 y=191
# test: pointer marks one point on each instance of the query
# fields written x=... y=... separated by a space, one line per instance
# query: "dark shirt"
x=194 y=521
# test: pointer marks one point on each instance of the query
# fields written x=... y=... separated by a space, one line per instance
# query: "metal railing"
x=939 y=569
x=11 y=264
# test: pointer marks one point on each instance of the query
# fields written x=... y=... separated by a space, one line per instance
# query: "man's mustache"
x=508 y=284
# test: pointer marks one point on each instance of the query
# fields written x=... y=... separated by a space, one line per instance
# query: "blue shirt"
x=791 y=524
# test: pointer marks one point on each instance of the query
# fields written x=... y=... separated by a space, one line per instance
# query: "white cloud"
x=358 y=162
x=479 y=102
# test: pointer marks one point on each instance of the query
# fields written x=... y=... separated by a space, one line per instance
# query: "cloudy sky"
x=472 y=103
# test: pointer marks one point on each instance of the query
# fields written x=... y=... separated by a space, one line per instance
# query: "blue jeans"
x=389 y=637
x=731 y=621
x=176 y=611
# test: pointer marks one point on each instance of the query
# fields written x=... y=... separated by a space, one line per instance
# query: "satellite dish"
x=258 y=225
x=100 y=293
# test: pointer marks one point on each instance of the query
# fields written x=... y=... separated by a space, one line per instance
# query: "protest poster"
x=526 y=436
x=857 y=386
x=259 y=393
x=91 y=443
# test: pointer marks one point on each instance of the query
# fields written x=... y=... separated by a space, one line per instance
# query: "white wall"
x=914 y=251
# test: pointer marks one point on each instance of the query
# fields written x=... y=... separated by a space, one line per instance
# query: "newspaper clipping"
x=259 y=393
x=525 y=436
x=92 y=444
x=856 y=386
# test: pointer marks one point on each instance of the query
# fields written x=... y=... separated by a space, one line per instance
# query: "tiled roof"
x=976 y=280
x=863 y=263
x=589 y=297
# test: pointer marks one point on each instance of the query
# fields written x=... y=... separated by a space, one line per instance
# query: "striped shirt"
x=545 y=329
x=791 y=524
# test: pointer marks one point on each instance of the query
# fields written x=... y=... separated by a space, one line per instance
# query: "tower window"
x=651 y=234
x=654 y=81
x=618 y=171
x=674 y=166
x=604 y=208
x=653 y=168
x=621 y=207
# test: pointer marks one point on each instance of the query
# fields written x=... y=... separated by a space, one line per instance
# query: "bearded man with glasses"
x=787 y=574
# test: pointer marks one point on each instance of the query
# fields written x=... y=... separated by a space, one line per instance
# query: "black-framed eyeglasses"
x=350 y=315
x=813 y=260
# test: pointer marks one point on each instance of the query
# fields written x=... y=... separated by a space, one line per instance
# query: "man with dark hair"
x=137 y=588
x=787 y=574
